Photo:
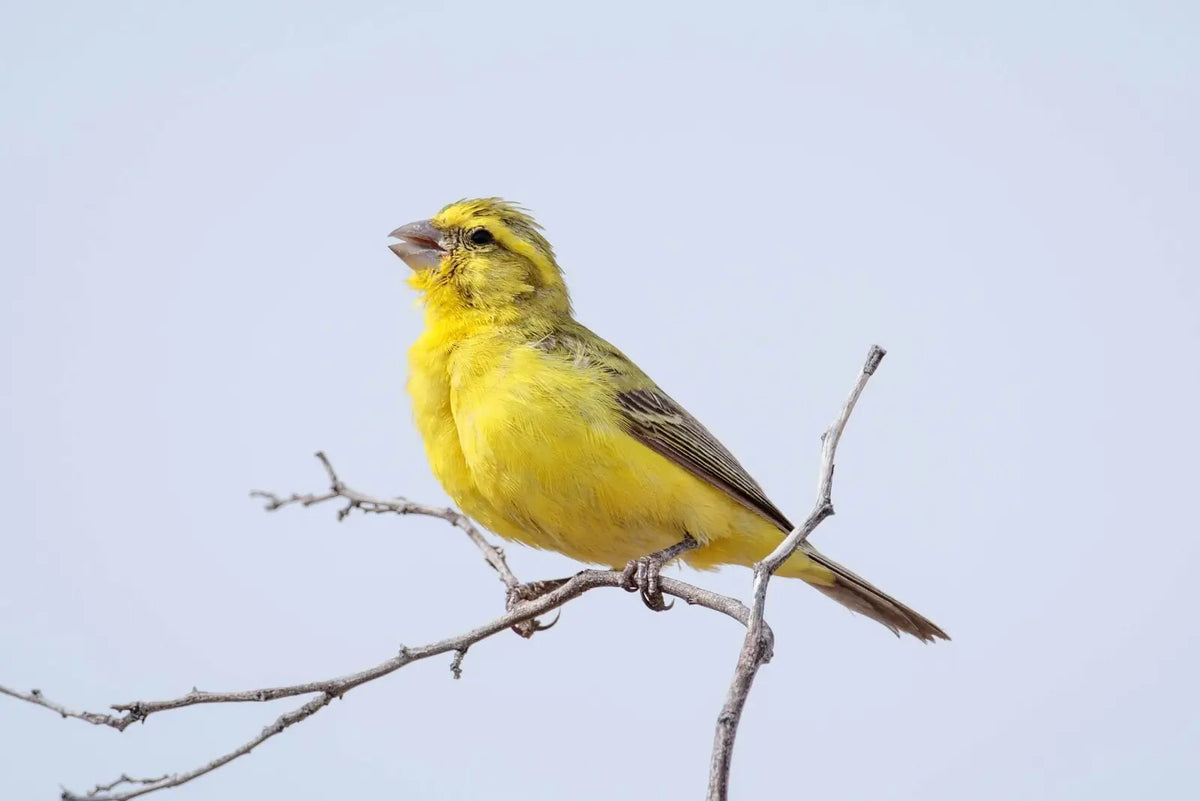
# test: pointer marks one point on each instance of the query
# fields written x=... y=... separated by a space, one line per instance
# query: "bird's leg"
x=641 y=575
x=528 y=592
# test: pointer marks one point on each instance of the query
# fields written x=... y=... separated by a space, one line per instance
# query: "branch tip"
x=874 y=357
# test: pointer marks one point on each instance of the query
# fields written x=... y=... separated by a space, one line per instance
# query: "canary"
x=548 y=435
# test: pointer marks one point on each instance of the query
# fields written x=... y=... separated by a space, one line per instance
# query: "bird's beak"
x=420 y=246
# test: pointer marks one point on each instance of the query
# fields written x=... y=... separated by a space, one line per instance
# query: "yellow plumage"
x=548 y=435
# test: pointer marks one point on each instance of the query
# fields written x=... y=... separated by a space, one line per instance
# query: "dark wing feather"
x=653 y=418
x=657 y=421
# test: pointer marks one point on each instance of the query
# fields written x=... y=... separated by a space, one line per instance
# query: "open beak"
x=420 y=245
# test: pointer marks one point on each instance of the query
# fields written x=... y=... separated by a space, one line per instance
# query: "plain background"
x=197 y=295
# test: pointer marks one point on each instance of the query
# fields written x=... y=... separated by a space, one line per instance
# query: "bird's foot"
x=531 y=591
x=642 y=575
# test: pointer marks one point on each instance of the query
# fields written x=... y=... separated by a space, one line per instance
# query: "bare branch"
x=524 y=603
x=328 y=689
x=758 y=645
x=370 y=504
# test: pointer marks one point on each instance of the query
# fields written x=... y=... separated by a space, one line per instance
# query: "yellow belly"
x=535 y=451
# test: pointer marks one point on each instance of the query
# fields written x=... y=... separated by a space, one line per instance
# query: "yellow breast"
x=429 y=387
x=533 y=447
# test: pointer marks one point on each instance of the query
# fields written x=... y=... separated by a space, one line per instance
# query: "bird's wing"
x=654 y=418
x=657 y=421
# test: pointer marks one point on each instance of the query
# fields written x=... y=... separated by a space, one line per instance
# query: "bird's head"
x=488 y=255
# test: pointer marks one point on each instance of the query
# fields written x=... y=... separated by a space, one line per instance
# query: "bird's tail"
x=857 y=594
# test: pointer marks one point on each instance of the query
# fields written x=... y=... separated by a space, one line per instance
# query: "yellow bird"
x=548 y=435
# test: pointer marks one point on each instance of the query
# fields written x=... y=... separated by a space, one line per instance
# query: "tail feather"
x=858 y=595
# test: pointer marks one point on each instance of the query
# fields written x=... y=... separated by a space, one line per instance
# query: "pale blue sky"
x=194 y=208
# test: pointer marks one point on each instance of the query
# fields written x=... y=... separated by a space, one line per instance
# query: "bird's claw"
x=528 y=628
x=531 y=591
x=642 y=576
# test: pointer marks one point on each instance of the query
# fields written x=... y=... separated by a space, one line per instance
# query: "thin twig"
x=757 y=647
x=36 y=697
x=369 y=504
x=124 y=778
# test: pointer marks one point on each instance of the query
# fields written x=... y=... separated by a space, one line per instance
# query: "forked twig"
x=369 y=504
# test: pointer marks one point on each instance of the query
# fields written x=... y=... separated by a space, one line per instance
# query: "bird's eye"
x=481 y=236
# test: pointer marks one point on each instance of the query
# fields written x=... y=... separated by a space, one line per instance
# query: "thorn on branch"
x=456 y=662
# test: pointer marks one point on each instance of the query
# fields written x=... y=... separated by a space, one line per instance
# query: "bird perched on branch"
x=548 y=435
